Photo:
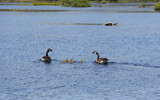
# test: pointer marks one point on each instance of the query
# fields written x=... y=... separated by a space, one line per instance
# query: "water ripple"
x=134 y=64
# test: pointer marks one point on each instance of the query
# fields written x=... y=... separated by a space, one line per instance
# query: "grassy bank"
x=75 y=3
x=46 y=3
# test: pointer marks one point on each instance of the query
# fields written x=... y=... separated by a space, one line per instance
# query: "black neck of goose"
x=47 y=52
x=97 y=56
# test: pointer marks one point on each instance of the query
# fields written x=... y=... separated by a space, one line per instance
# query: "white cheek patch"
x=42 y=59
x=101 y=61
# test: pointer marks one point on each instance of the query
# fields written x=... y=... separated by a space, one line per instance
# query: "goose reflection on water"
x=71 y=24
x=106 y=24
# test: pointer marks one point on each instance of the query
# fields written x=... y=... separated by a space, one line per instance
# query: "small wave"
x=33 y=10
x=49 y=87
x=134 y=64
x=58 y=61
x=109 y=63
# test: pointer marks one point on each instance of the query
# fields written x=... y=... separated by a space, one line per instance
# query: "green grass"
x=80 y=3
x=75 y=3
x=142 y=5
x=103 y=1
x=46 y=3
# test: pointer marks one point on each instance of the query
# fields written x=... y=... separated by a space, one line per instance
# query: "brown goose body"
x=46 y=58
x=110 y=24
x=101 y=60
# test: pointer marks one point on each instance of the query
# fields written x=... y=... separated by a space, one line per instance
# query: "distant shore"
x=91 y=1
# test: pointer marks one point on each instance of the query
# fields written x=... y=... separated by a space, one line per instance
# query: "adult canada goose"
x=46 y=58
x=100 y=60
x=110 y=24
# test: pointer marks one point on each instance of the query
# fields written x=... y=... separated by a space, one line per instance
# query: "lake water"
x=132 y=47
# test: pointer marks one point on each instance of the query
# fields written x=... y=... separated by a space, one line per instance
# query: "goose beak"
x=94 y=52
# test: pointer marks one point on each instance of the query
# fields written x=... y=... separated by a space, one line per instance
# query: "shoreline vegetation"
x=142 y=5
x=157 y=6
x=90 y=1
x=79 y=3
x=75 y=3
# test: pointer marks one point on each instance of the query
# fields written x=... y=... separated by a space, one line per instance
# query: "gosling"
x=70 y=61
x=81 y=61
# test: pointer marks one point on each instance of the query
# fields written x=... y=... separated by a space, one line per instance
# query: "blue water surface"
x=132 y=47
